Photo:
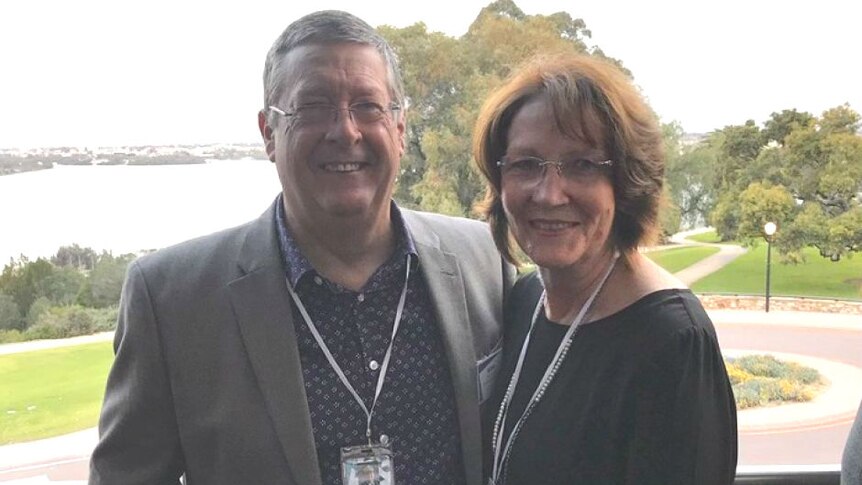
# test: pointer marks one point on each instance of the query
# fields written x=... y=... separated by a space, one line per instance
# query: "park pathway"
x=711 y=264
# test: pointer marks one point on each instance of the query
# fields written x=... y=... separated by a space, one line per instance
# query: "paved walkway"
x=50 y=344
x=726 y=253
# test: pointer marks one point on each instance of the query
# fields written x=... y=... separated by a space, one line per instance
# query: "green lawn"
x=52 y=392
x=706 y=237
x=816 y=277
x=676 y=259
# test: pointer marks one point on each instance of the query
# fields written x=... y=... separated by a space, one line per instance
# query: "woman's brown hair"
x=579 y=88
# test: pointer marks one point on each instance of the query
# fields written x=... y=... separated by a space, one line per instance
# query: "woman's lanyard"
x=501 y=452
x=368 y=413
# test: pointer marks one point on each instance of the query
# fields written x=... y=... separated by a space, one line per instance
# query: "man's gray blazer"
x=851 y=461
x=207 y=378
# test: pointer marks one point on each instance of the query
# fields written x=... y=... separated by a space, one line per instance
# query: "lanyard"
x=502 y=452
x=337 y=368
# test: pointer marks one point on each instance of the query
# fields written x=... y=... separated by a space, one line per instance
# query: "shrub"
x=11 y=336
x=10 y=315
x=104 y=319
x=762 y=365
x=39 y=306
x=805 y=375
x=759 y=380
x=62 y=322
x=736 y=374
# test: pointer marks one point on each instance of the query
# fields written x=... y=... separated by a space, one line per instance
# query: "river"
x=128 y=208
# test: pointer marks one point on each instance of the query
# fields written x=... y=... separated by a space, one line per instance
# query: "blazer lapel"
x=443 y=276
x=263 y=312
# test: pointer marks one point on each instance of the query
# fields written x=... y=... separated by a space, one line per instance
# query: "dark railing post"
x=768 y=231
x=768 y=268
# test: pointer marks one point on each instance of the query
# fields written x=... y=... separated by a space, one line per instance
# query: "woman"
x=612 y=372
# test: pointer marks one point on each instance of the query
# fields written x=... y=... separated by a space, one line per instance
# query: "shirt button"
x=384 y=440
x=318 y=280
x=373 y=365
x=361 y=297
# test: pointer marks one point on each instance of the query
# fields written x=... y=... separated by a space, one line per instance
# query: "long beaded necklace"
x=502 y=452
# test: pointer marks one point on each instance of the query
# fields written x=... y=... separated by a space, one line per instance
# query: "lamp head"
x=769 y=228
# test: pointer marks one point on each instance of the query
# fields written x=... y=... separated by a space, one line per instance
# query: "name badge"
x=367 y=465
x=487 y=369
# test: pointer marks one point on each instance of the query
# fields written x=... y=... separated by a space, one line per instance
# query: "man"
x=851 y=460
x=257 y=354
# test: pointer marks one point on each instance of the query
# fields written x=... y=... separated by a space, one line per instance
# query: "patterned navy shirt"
x=416 y=408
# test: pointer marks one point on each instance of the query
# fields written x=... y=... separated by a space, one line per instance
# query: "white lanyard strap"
x=337 y=368
x=500 y=451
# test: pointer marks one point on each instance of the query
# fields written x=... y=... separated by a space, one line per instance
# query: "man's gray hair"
x=326 y=27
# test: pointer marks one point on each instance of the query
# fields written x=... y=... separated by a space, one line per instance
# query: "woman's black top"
x=641 y=398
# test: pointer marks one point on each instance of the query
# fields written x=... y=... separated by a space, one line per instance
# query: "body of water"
x=128 y=208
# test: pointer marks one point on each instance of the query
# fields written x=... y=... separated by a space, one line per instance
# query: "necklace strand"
x=500 y=464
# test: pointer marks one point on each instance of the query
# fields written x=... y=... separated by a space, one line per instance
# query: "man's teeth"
x=341 y=167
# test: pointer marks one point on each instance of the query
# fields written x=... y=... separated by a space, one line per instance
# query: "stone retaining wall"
x=747 y=302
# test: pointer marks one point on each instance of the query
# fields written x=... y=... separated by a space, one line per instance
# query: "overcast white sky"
x=86 y=72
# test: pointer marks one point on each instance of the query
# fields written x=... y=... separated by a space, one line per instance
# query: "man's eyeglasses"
x=322 y=114
x=532 y=169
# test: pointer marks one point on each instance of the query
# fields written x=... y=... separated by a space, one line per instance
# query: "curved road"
x=803 y=445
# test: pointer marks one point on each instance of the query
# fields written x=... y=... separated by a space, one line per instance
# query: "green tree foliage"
x=759 y=204
x=782 y=124
x=40 y=306
x=689 y=177
x=25 y=281
x=841 y=119
x=75 y=256
x=63 y=322
x=802 y=172
x=738 y=146
x=45 y=299
x=104 y=284
x=10 y=316
x=669 y=215
x=447 y=79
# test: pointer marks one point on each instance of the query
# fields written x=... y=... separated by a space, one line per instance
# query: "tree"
x=447 y=79
x=738 y=146
x=105 y=282
x=725 y=217
x=75 y=256
x=669 y=215
x=25 y=281
x=39 y=306
x=759 y=204
x=779 y=125
x=816 y=164
x=10 y=315
x=690 y=176
x=840 y=119
x=62 y=322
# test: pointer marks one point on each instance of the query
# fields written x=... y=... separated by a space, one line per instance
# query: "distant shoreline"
x=13 y=163
x=28 y=166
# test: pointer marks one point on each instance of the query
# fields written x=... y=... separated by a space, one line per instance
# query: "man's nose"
x=343 y=128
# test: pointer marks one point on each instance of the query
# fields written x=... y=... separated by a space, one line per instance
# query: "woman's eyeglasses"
x=532 y=169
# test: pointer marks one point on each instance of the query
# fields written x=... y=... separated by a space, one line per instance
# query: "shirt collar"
x=296 y=265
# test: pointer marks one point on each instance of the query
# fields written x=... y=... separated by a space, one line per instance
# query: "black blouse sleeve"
x=685 y=422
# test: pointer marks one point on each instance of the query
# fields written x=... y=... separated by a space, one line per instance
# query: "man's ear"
x=266 y=134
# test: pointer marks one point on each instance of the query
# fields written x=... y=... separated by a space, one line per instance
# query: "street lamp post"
x=768 y=229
